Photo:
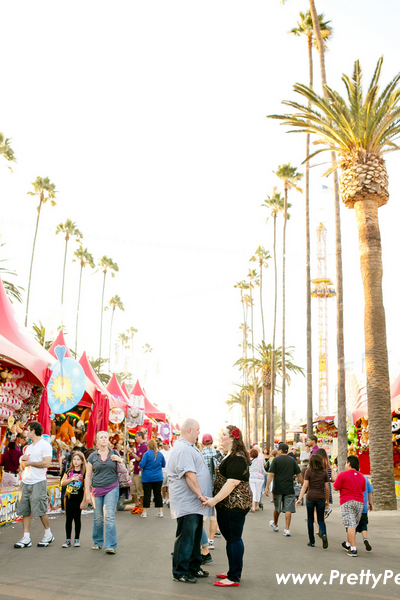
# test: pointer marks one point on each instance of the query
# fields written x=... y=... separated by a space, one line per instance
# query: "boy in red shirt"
x=352 y=486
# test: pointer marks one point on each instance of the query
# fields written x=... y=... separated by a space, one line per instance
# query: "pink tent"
x=149 y=410
x=18 y=346
x=60 y=341
x=115 y=389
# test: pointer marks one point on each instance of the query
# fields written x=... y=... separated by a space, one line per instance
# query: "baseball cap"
x=207 y=437
x=165 y=442
x=284 y=447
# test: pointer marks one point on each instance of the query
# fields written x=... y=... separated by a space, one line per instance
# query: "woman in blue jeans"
x=102 y=490
x=317 y=488
x=233 y=499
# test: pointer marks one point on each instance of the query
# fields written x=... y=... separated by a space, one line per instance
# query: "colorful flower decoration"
x=235 y=433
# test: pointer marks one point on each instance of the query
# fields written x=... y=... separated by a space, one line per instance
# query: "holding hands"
x=205 y=501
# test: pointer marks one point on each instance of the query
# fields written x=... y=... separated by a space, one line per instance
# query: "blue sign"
x=67 y=383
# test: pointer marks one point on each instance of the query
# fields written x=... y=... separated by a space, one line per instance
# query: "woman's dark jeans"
x=187 y=553
x=320 y=518
x=156 y=487
x=231 y=525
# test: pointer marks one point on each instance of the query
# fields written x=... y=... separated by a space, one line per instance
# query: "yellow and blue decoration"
x=67 y=383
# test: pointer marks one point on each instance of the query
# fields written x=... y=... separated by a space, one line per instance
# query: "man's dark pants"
x=187 y=553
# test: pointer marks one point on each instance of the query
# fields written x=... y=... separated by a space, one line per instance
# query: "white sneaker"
x=144 y=515
x=47 y=539
x=23 y=543
x=160 y=515
x=286 y=532
x=77 y=544
x=211 y=544
x=273 y=526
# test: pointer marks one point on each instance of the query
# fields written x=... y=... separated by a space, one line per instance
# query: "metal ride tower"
x=322 y=289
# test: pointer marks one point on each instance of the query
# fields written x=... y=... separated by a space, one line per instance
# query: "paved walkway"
x=141 y=570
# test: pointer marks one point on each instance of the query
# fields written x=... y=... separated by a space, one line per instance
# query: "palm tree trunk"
x=101 y=316
x=30 y=270
x=77 y=310
x=109 y=347
x=376 y=358
x=308 y=258
x=284 y=318
x=255 y=416
x=267 y=402
x=63 y=278
x=271 y=406
x=342 y=437
x=263 y=339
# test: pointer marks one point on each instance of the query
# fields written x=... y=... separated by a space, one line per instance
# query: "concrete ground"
x=142 y=567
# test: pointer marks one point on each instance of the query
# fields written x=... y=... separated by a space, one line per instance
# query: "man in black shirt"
x=282 y=471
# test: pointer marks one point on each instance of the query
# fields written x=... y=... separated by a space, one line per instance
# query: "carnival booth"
x=358 y=434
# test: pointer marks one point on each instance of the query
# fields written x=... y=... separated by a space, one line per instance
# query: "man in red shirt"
x=352 y=486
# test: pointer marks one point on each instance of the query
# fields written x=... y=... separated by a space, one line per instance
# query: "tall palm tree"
x=46 y=192
x=105 y=264
x=261 y=255
x=114 y=303
x=70 y=229
x=6 y=150
x=275 y=204
x=361 y=131
x=131 y=332
x=266 y=360
x=239 y=399
x=84 y=258
x=252 y=276
x=305 y=28
x=341 y=390
x=290 y=177
x=243 y=286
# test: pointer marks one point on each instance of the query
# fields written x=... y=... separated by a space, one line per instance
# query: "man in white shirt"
x=32 y=496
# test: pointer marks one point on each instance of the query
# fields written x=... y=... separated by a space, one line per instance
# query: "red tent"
x=18 y=346
x=149 y=410
x=60 y=341
x=115 y=389
x=125 y=390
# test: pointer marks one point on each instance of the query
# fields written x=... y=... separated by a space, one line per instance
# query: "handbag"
x=240 y=498
x=123 y=475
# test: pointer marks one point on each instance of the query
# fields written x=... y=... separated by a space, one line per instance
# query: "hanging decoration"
x=67 y=383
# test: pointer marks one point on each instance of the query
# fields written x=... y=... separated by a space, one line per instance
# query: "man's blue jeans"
x=187 y=554
x=104 y=516
x=320 y=506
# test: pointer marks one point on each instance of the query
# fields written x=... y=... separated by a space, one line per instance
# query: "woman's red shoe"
x=230 y=584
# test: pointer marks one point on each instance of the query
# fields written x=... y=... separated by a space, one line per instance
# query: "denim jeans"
x=104 y=515
x=187 y=554
x=231 y=525
x=204 y=538
x=320 y=518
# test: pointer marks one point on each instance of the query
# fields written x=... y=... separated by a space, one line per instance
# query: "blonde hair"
x=99 y=432
x=152 y=445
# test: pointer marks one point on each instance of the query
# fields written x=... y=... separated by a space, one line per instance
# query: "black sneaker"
x=206 y=558
x=186 y=578
x=367 y=545
x=324 y=542
x=200 y=573
x=218 y=534
x=345 y=546
x=352 y=552
x=311 y=544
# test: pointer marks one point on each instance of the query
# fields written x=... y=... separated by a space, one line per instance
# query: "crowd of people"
x=198 y=482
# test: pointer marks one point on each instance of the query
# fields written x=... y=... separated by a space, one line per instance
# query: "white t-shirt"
x=304 y=455
x=166 y=454
x=36 y=452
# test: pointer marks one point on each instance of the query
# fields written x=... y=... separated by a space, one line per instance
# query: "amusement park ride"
x=322 y=289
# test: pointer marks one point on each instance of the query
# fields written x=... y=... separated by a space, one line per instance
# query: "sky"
x=151 y=120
